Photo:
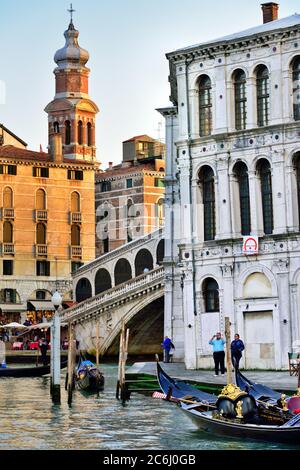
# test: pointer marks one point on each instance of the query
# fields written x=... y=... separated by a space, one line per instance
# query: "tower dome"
x=71 y=55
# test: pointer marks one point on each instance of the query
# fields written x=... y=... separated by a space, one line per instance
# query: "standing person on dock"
x=217 y=342
x=167 y=345
x=43 y=345
x=237 y=346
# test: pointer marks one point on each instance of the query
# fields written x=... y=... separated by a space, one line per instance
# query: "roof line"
x=13 y=135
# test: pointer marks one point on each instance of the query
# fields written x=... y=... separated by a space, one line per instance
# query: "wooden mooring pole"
x=228 y=350
x=122 y=392
x=97 y=342
x=71 y=363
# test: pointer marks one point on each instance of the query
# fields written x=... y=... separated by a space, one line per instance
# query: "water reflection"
x=29 y=420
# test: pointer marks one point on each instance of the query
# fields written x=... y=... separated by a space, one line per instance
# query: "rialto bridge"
x=125 y=284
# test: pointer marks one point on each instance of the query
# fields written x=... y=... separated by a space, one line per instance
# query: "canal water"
x=29 y=420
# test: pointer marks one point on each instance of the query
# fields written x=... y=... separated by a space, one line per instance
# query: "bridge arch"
x=102 y=281
x=83 y=289
x=143 y=260
x=160 y=252
x=123 y=271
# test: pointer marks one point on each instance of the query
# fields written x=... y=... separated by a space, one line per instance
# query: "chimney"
x=56 y=147
x=270 y=11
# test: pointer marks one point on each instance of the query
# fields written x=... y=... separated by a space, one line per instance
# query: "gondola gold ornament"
x=232 y=392
x=239 y=410
x=284 y=403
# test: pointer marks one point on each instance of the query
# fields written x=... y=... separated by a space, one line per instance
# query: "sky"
x=127 y=41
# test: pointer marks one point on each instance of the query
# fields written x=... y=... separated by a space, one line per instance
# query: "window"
x=75 y=235
x=43 y=268
x=207 y=182
x=240 y=100
x=80 y=132
x=8 y=232
x=266 y=195
x=75 y=175
x=89 y=134
x=40 y=200
x=263 y=96
x=8 y=267
x=56 y=127
x=241 y=172
x=160 y=212
x=40 y=172
x=129 y=183
x=10 y=296
x=211 y=295
x=205 y=106
x=41 y=234
x=159 y=183
x=8 y=170
x=68 y=133
x=296 y=88
x=8 y=198
x=40 y=295
x=105 y=186
x=75 y=266
x=75 y=202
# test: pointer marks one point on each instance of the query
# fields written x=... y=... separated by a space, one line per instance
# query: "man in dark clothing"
x=43 y=345
x=167 y=345
x=237 y=346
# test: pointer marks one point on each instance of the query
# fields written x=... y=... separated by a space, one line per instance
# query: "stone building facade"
x=130 y=196
x=233 y=171
x=47 y=215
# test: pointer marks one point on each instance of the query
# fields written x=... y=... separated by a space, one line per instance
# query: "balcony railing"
x=41 y=215
x=7 y=214
x=76 y=251
x=41 y=250
x=75 y=217
x=8 y=248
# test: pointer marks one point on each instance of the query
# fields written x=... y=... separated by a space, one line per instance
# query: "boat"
x=177 y=389
x=87 y=376
x=36 y=371
x=234 y=413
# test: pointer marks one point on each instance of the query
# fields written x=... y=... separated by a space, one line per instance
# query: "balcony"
x=41 y=215
x=75 y=218
x=76 y=251
x=41 y=250
x=8 y=249
x=7 y=214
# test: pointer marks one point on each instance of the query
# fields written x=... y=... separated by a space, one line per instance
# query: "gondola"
x=87 y=376
x=234 y=413
x=36 y=371
x=177 y=389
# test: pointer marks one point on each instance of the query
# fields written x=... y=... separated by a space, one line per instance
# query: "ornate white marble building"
x=233 y=170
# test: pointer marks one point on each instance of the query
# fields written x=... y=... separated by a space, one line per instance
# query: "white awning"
x=42 y=305
x=12 y=308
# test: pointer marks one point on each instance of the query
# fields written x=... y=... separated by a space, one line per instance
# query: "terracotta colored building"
x=47 y=223
x=130 y=196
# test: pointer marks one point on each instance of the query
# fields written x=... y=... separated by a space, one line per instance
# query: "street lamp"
x=55 y=349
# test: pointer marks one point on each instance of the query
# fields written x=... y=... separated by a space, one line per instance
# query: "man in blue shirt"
x=237 y=346
x=167 y=345
x=217 y=343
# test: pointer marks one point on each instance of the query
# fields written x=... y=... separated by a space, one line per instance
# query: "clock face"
x=250 y=245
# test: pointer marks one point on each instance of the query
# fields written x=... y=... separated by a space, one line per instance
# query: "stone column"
x=292 y=213
x=282 y=276
x=251 y=103
x=279 y=194
x=190 y=352
x=295 y=316
x=255 y=205
x=223 y=199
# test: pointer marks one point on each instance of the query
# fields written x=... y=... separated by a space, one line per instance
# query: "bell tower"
x=72 y=113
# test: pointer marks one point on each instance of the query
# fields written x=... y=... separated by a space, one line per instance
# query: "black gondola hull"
x=243 y=431
x=91 y=383
x=37 y=371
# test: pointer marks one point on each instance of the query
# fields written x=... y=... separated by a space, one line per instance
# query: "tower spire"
x=71 y=11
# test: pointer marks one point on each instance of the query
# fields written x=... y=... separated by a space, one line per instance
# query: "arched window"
x=89 y=134
x=240 y=100
x=40 y=200
x=75 y=235
x=75 y=202
x=56 y=127
x=296 y=88
x=130 y=217
x=41 y=234
x=8 y=198
x=102 y=281
x=205 y=106
x=297 y=168
x=80 y=132
x=207 y=182
x=8 y=232
x=241 y=172
x=83 y=290
x=263 y=95
x=68 y=133
x=211 y=295
x=123 y=271
x=264 y=170
x=143 y=260
x=160 y=252
x=160 y=210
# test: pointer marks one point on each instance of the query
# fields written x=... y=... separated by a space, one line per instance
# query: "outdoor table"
x=34 y=345
x=17 y=345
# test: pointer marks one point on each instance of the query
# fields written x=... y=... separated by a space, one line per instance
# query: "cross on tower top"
x=71 y=11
